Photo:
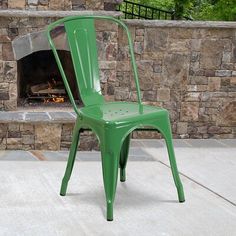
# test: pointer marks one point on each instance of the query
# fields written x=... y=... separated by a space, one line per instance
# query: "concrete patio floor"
x=146 y=204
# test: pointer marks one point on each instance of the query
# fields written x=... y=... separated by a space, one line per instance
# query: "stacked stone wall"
x=188 y=69
x=60 y=4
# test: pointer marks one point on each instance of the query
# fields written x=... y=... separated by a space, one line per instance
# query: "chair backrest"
x=81 y=38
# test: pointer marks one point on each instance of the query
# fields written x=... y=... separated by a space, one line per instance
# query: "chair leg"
x=71 y=160
x=174 y=169
x=110 y=164
x=124 y=157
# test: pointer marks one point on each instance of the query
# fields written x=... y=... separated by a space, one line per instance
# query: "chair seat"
x=113 y=112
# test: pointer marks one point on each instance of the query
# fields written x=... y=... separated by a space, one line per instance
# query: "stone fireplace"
x=24 y=47
x=30 y=83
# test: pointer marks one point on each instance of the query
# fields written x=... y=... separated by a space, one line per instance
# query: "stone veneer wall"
x=188 y=68
x=60 y=4
x=43 y=136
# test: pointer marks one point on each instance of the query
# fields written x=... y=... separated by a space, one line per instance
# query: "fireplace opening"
x=40 y=82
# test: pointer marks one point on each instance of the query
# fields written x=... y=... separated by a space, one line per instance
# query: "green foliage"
x=216 y=10
x=163 y=4
x=182 y=8
x=167 y=5
x=196 y=9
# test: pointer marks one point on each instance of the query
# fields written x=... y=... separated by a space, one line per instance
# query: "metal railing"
x=134 y=10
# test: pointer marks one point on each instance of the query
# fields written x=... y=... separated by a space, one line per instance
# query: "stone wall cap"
x=181 y=24
x=27 y=13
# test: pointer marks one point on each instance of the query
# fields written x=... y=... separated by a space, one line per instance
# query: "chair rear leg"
x=71 y=160
x=124 y=157
x=174 y=169
x=110 y=164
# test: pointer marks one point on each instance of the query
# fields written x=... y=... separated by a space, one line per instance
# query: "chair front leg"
x=110 y=164
x=71 y=160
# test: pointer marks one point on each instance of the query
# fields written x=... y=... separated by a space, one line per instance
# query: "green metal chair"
x=111 y=121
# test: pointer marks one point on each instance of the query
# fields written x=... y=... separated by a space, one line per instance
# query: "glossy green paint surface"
x=114 y=121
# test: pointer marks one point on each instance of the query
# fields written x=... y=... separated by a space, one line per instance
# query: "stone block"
x=16 y=4
x=180 y=33
x=7 y=52
x=47 y=136
x=37 y=117
x=13 y=91
x=226 y=117
x=157 y=68
x=110 y=6
x=139 y=38
x=28 y=139
x=138 y=47
x=214 y=83
x=3 y=130
x=223 y=73
x=189 y=111
x=192 y=96
x=62 y=116
x=179 y=46
x=155 y=40
x=32 y=2
x=150 y=96
x=182 y=127
x=13 y=127
x=195 y=44
x=78 y=5
x=121 y=94
x=3 y=143
x=107 y=65
x=43 y=2
x=198 y=80
x=10 y=70
x=94 y=5
x=233 y=81
x=175 y=70
x=226 y=57
x=163 y=94
x=26 y=129
x=145 y=69
x=3 y=4
x=123 y=66
x=14 y=146
x=55 y=5
x=14 y=134
x=14 y=141
x=209 y=73
x=211 y=53
x=67 y=5
x=139 y=32
x=10 y=105
x=4 y=95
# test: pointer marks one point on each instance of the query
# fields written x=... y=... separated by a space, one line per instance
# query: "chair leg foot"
x=63 y=187
x=181 y=194
x=109 y=211
x=122 y=175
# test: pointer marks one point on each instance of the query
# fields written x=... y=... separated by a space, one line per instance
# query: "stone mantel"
x=56 y=14
x=182 y=24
